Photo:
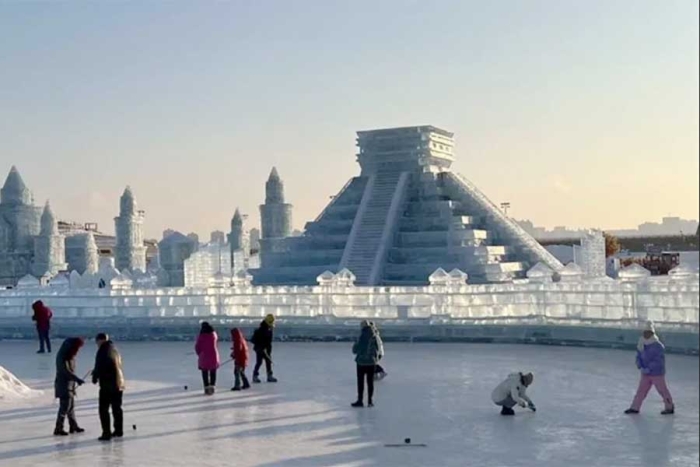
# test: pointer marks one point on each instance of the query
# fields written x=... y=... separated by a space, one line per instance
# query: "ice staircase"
x=373 y=229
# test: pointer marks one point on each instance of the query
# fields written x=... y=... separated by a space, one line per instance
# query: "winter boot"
x=271 y=379
x=357 y=404
x=507 y=411
x=236 y=388
x=105 y=437
x=256 y=379
x=117 y=434
x=246 y=385
x=670 y=411
x=76 y=429
x=60 y=432
x=370 y=404
x=631 y=411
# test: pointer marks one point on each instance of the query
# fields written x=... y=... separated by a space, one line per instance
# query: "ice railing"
x=512 y=228
x=673 y=303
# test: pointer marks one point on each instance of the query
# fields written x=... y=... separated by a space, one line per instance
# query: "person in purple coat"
x=651 y=361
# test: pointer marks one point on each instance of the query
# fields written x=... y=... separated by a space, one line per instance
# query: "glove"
x=645 y=371
x=80 y=382
x=532 y=407
x=522 y=404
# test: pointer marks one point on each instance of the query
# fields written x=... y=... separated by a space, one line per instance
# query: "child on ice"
x=239 y=354
x=651 y=361
x=512 y=392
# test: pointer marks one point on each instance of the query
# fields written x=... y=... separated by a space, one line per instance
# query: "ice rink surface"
x=435 y=394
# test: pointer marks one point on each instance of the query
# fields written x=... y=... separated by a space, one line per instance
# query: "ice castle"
x=404 y=216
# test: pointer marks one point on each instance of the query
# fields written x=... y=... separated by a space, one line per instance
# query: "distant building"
x=218 y=237
x=194 y=237
x=254 y=240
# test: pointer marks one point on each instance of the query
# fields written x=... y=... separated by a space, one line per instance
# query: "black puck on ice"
x=407 y=441
x=133 y=426
x=185 y=388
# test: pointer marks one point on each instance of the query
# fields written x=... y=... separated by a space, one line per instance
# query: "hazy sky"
x=580 y=113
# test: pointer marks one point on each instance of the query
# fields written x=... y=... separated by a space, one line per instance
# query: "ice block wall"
x=669 y=301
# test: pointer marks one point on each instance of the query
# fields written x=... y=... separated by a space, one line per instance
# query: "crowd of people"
x=368 y=350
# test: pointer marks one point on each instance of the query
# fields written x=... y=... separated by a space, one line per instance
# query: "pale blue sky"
x=580 y=113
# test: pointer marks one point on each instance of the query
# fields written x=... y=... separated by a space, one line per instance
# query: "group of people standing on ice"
x=368 y=351
x=206 y=348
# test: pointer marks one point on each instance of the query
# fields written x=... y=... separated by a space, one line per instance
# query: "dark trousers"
x=44 y=341
x=239 y=375
x=111 y=399
x=66 y=409
x=209 y=378
x=365 y=372
x=260 y=357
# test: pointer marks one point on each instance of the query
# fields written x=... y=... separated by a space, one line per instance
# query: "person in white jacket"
x=512 y=392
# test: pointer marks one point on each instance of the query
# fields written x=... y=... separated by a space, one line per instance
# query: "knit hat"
x=528 y=377
x=270 y=319
x=365 y=323
x=649 y=326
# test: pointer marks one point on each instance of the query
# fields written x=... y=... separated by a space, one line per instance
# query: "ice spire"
x=274 y=188
x=15 y=191
x=48 y=222
x=127 y=203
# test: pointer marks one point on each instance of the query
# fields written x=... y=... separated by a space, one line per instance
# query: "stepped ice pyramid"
x=406 y=215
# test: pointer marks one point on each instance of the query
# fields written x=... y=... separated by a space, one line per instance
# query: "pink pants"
x=645 y=384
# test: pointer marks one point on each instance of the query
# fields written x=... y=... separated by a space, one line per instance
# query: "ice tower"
x=129 y=251
x=19 y=224
x=49 y=246
x=238 y=243
x=403 y=217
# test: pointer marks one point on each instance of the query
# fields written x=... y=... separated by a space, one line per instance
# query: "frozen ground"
x=437 y=394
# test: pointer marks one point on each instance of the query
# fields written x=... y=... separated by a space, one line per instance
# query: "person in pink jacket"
x=208 y=356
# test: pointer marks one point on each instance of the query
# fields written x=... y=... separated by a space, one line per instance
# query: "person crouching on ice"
x=512 y=392
x=239 y=354
x=651 y=361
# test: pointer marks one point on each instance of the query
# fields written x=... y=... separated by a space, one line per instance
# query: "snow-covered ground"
x=436 y=394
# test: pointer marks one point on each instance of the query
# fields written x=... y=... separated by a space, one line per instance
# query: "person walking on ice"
x=208 y=357
x=262 y=344
x=42 y=317
x=368 y=351
x=239 y=355
x=512 y=392
x=651 y=361
x=65 y=386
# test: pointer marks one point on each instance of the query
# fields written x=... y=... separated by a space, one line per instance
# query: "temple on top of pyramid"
x=405 y=215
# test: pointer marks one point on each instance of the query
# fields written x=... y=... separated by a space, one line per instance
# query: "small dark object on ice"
x=133 y=426
x=185 y=388
x=407 y=441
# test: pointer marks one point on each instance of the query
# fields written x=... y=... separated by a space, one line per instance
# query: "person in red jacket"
x=42 y=316
x=239 y=354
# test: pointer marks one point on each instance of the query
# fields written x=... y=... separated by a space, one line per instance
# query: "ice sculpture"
x=28 y=282
x=242 y=278
x=572 y=272
x=683 y=272
x=325 y=278
x=634 y=272
x=59 y=281
x=540 y=272
x=591 y=256
x=439 y=277
x=345 y=278
x=458 y=277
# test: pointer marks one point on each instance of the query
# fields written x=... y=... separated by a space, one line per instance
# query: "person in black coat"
x=262 y=344
x=65 y=385
x=108 y=372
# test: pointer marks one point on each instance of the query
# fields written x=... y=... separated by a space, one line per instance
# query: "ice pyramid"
x=402 y=218
x=12 y=388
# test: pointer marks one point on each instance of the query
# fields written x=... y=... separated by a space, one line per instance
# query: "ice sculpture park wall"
x=672 y=303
